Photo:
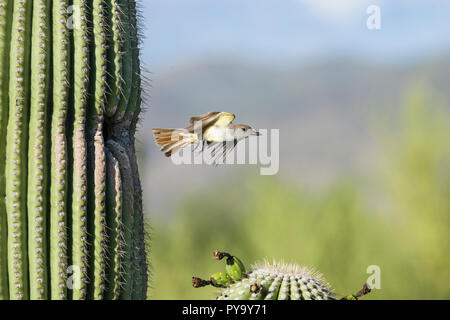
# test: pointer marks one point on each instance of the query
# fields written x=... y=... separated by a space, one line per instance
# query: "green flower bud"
x=234 y=267
x=220 y=279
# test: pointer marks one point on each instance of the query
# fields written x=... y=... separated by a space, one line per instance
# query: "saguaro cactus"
x=270 y=281
x=71 y=221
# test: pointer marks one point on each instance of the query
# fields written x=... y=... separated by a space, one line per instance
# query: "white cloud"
x=337 y=10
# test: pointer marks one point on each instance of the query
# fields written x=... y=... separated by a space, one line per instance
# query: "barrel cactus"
x=71 y=221
x=270 y=281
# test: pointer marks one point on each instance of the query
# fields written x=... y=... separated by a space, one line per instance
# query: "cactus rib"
x=16 y=149
x=129 y=262
x=6 y=8
x=97 y=149
x=131 y=116
x=133 y=107
x=125 y=143
x=79 y=203
x=59 y=160
x=114 y=58
x=115 y=228
x=127 y=62
x=37 y=165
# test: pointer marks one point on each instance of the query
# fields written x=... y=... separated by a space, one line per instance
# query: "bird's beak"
x=256 y=133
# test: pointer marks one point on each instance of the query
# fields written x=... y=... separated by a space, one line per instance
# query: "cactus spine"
x=71 y=221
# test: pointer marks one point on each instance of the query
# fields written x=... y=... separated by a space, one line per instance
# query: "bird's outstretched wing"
x=219 y=119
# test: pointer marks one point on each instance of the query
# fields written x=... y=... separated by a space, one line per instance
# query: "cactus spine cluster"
x=276 y=281
x=71 y=221
x=269 y=281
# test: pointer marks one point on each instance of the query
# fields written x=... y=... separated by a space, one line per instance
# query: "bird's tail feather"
x=172 y=140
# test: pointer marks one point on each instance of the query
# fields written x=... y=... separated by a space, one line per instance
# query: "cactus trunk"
x=71 y=220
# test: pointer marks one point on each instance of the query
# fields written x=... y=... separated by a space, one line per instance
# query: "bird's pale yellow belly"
x=217 y=134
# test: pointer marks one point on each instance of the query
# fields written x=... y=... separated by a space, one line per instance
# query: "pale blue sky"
x=279 y=31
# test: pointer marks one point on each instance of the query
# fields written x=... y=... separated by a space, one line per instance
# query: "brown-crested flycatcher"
x=213 y=128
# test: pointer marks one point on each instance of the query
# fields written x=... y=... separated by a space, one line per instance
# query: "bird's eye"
x=245 y=129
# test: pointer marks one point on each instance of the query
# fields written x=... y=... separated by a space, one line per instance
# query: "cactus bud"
x=365 y=290
x=235 y=268
x=221 y=280
x=199 y=283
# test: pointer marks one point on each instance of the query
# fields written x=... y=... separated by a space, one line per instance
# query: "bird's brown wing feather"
x=203 y=117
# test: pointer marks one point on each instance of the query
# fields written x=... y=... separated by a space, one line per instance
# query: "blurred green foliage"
x=396 y=216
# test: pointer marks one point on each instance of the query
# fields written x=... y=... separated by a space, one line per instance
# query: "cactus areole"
x=71 y=222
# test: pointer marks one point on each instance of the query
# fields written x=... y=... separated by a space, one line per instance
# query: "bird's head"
x=242 y=131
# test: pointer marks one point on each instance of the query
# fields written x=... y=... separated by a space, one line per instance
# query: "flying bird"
x=214 y=129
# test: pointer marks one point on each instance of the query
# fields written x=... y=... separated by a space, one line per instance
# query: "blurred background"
x=364 y=119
